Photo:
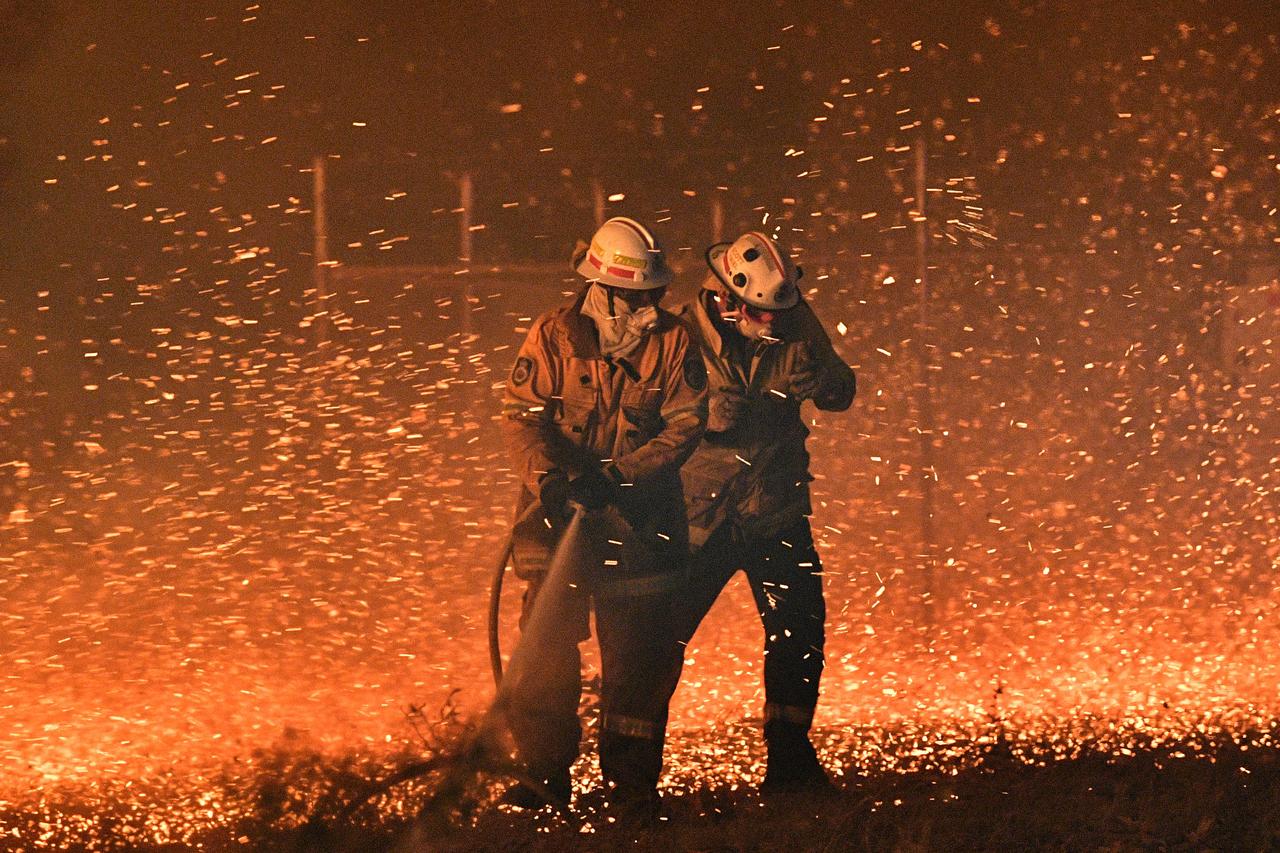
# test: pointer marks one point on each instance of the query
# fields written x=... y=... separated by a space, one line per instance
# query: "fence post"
x=320 y=316
x=597 y=201
x=926 y=425
x=465 y=206
x=464 y=226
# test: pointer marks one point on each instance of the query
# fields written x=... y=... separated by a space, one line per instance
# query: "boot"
x=522 y=796
x=793 y=766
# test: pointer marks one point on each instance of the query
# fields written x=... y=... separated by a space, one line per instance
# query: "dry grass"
x=1225 y=798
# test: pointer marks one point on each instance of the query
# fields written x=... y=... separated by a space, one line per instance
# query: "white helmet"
x=623 y=253
x=756 y=272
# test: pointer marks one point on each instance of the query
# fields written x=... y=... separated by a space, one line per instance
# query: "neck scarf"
x=621 y=330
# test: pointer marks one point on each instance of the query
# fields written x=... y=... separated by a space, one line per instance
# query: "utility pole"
x=320 y=316
x=925 y=403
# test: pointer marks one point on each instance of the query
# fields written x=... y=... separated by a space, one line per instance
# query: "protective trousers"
x=785 y=575
x=637 y=651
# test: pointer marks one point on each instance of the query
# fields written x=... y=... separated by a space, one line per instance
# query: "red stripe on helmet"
x=623 y=272
x=620 y=272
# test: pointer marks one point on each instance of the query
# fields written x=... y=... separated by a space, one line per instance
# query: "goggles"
x=632 y=298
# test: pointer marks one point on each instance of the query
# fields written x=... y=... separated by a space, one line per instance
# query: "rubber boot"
x=793 y=763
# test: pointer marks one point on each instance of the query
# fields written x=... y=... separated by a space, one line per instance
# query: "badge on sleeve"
x=695 y=373
x=521 y=373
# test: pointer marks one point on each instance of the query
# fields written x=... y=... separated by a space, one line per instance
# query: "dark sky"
x=212 y=110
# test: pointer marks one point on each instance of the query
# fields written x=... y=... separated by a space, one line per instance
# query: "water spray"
x=481 y=751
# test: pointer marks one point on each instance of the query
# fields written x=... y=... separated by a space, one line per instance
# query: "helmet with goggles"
x=756 y=272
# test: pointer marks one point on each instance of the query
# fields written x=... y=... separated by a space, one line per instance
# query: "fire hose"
x=495 y=610
x=497 y=576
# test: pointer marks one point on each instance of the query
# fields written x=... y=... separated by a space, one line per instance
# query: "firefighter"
x=747 y=484
x=606 y=400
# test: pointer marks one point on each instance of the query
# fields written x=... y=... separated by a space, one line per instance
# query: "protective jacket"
x=755 y=471
x=568 y=408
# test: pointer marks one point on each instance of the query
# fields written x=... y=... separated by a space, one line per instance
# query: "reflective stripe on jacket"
x=756 y=473
x=568 y=409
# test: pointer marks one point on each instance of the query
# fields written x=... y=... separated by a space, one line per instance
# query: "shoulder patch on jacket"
x=695 y=372
x=523 y=371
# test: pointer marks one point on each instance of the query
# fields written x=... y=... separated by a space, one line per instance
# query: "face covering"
x=750 y=327
x=621 y=330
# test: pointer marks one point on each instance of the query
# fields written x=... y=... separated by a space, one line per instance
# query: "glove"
x=804 y=384
x=728 y=406
x=553 y=492
x=593 y=491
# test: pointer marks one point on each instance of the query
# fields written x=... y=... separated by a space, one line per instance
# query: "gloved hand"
x=553 y=492
x=593 y=491
x=804 y=384
x=727 y=407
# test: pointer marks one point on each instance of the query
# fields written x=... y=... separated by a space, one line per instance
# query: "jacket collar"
x=579 y=331
x=708 y=327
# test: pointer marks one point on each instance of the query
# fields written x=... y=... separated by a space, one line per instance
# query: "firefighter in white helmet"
x=747 y=484
x=606 y=399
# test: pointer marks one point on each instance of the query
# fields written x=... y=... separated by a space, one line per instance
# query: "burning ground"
x=907 y=787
